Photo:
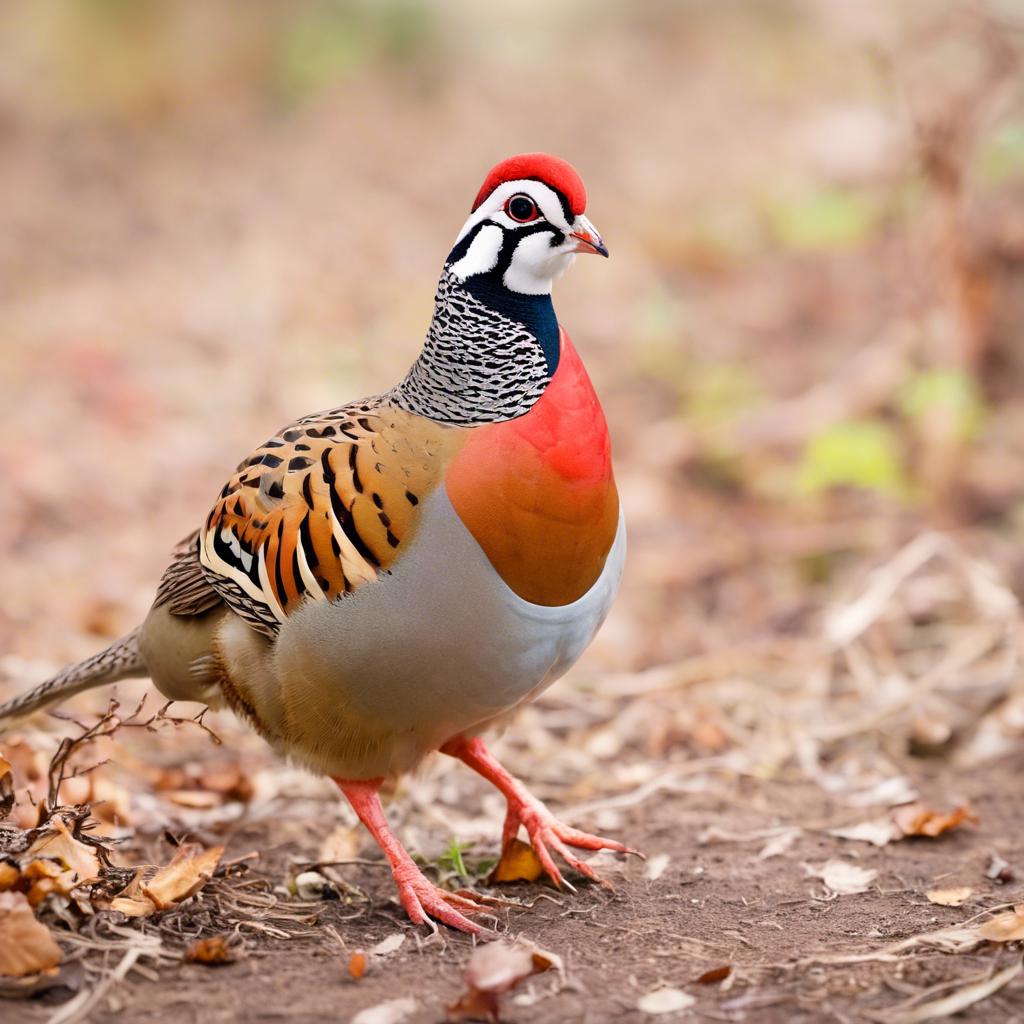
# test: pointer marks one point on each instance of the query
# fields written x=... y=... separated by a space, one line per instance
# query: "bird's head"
x=526 y=226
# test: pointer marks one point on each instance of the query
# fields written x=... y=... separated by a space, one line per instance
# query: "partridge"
x=400 y=575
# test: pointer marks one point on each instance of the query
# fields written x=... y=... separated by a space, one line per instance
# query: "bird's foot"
x=423 y=901
x=548 y=834
x=426 y=903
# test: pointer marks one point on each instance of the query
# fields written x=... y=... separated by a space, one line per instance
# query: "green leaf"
x=452 y=860
x=862 y=454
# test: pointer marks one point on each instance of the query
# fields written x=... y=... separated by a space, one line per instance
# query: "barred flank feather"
x=121 y=660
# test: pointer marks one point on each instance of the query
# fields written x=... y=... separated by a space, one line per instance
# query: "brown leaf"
x=196 y=799
x=131 y=907
x=1006 y=927
x=110 y=802
x=9 y=875
x=190 y=869
x=43 y=878
x=58 y=844
x=715 y=975
x=518 y=863
x=495 y=969
x=919 y=820
x=950 y=897
x=212 y=951
x=231 y=781
x=26 y=947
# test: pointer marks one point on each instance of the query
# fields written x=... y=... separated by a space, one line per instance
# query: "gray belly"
x=439 y=647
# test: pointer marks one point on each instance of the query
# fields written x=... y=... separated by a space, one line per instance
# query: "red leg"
x=424 y=902
x=546 y=832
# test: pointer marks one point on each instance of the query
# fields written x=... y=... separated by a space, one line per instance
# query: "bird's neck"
x=488 y=356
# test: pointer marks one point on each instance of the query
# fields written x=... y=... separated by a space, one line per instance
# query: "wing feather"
x=323 y=507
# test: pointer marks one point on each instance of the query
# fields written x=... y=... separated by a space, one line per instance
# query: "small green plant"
x=863 y=454
x=451 y=859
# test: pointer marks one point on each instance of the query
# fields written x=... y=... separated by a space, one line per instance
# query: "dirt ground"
x=715 y=904
x=808 y=344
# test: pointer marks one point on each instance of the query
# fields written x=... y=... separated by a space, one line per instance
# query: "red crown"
x=559 y=174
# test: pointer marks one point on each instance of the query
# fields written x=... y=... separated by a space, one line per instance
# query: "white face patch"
x=536 y=264
x=482 y=254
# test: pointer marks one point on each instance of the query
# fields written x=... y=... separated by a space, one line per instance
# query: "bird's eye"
x=521 y=208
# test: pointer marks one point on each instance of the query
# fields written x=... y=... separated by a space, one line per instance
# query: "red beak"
x=589 y=242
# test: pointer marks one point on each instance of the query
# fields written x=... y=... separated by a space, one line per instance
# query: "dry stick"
x=980 y=987
x=79 y=1007
x=107 y=725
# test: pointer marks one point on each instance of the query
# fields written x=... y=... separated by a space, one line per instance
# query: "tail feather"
x=121 y=660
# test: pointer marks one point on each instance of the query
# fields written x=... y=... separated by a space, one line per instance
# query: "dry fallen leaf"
x=231 y=781
x=1005 y=927
x=189 y=870
x=212 y=951
x=311 y=885
x=715 y=975
x=342 y=844
x=950 y=897
x=389 y=945
x=919 y=820
x=518 y=863
x=394 y=1011
x=878 y=832
x=44 y=878
x=9 y=875
x=656 y=866
x=131 y=907
x=495 y=969
x=779 y=844
x=954 y=1002
x=194 y=799
x=664 y=1000
x=26 y=947
x=842 y=877
x=61 y=846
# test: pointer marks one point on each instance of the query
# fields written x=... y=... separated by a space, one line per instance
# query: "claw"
x=426 y=904
x=423 y=901
x=546 y=832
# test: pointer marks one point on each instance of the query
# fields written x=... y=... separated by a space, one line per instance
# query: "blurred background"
x=217 y=217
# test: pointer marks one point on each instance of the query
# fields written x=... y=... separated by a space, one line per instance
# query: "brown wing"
x=184 y=587
x=322 y=508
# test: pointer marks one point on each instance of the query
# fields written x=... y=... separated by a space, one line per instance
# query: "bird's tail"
x=121 y=660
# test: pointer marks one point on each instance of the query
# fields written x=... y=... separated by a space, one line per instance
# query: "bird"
x=400 y=575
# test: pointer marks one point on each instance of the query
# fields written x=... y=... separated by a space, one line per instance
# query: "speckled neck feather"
x=477 y=365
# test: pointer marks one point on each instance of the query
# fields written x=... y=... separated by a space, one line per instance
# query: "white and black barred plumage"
x=477 y=366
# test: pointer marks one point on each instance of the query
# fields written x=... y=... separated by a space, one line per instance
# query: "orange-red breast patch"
x=537 y=492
